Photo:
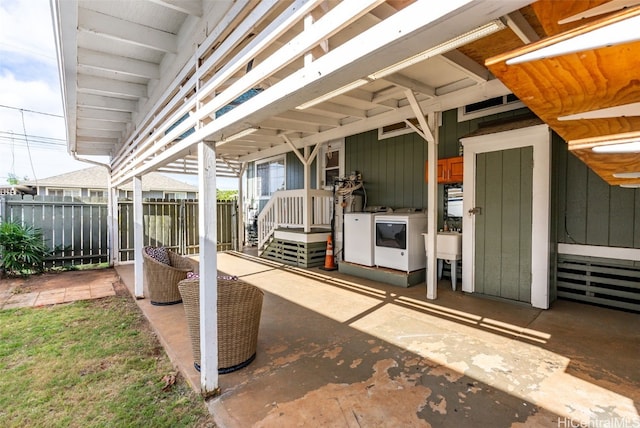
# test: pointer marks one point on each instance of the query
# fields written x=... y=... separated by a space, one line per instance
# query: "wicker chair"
x=162 y=279
x=239 y=310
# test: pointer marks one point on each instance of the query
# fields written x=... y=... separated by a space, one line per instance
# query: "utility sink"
x=449 y=245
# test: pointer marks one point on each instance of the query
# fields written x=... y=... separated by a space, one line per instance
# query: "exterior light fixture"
x=635 y=174
x=334 y=93
x=240 y=134
x=447 y=46
x=621 y=31
x=632 y=147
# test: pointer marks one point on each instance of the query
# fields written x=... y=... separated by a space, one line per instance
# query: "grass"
x=89 y=364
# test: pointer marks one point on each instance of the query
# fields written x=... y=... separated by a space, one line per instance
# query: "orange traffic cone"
x=329 y=263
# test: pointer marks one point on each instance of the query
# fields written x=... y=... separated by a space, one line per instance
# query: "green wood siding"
x=589 y=211
x=392 y=168
x=451 y=131
x=295 y=172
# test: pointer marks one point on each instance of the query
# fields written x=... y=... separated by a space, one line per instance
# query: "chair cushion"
x=159 y=254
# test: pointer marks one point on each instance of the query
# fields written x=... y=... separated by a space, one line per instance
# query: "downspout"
x=104 y=165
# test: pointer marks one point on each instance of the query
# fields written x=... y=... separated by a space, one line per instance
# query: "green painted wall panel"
x=576 y=203
x=492 y=217
x=392 y=168
x=621 y=227
x=589 y=211
x=597 y=210
x=510 y=222
x=526 y=221
x=481 y=185
x=636 y=219
x=504 y=182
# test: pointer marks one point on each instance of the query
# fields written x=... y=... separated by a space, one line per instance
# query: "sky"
x=32 y=126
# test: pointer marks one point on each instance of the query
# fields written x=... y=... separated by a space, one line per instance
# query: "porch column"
x=138 y=237
x=112 y=224
x=241 y=226
x=432 y=212
x=207 y=212
x=308 y=202
x=306 y=159
x=429 y=131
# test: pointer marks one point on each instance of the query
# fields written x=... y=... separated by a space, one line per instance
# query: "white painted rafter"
x=125 y=31
x=189 y=7
x=117 y=64
x=117 y=88
x=106 y=115
x=106 y=103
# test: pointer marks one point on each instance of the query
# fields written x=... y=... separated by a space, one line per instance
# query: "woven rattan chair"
x=162 y=279
x=239 y=310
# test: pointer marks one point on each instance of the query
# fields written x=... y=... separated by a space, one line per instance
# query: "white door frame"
x=539 y=138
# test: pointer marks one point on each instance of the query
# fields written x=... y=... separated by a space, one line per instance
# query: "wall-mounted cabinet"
x=449 y=170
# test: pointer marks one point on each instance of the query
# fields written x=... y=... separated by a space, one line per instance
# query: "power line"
x=24 y=129
x=32 y=111
x=42 y=137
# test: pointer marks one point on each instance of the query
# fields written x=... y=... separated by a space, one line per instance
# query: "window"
x=270 y=177
x=74 y=193
x=331 y=160
x=489 y=106
x=332 y=166
x=175 y=195
x=95 y=193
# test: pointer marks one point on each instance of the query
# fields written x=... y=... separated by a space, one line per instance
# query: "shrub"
x=22 y=249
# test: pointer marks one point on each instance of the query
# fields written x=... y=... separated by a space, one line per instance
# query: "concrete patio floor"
x=340 y=351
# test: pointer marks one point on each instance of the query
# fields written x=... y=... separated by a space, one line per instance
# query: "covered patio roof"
x=145 y=81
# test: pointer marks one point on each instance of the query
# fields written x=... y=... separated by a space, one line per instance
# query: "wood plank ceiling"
x=590 y=97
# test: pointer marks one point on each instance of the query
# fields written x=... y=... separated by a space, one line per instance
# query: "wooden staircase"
x=282 y=235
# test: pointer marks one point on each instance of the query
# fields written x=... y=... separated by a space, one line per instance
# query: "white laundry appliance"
x=359 y=235
x=398 y=241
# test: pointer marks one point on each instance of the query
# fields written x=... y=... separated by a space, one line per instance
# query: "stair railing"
x=285 y=209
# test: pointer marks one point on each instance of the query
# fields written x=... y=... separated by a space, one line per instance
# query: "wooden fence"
x=78 y=227
x=174 y=224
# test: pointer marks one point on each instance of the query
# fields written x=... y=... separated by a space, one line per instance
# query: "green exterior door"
x=504 y=182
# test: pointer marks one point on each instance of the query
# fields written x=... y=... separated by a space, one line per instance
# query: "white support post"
x=308 y=203
x=306 y=159
x=430 y=134
x=432 y=203
x=241 y=226
x=112 y=222
x=207 y=210
x=138 y=236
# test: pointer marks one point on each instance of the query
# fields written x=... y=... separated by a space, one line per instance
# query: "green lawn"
x=89 y=364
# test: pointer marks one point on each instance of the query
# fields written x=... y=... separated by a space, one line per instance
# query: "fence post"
x=3 y=209
x=235 y=241
x=182 y=228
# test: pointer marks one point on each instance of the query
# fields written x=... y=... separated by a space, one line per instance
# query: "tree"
x=226 y=195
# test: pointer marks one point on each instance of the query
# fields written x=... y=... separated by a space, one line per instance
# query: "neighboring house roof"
x=98 y=178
